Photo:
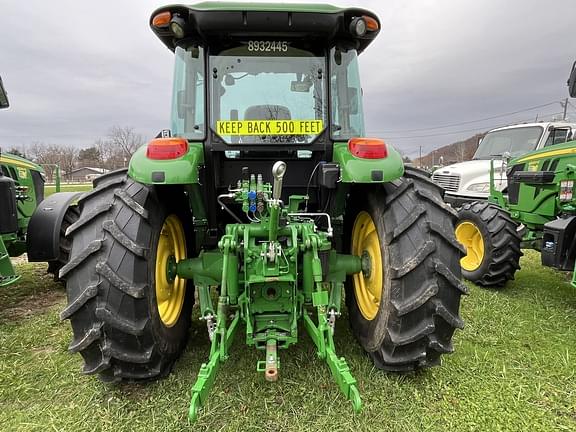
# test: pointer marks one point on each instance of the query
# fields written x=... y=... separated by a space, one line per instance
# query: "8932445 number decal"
x=268 y=46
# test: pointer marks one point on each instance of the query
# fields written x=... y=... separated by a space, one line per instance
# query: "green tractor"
x=266 y=205
x=538 y=212
x=28 y=222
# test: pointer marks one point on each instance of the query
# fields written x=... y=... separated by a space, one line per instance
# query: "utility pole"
x=565 y=106
x=420 y=158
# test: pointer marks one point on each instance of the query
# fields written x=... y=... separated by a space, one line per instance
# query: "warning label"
x=269 y=127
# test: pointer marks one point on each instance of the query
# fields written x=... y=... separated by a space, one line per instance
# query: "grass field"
x=64 y=187
x=513 y=369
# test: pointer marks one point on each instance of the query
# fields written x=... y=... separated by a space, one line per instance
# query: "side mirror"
x=353 y=100
x=3 y=96
x=572 y=81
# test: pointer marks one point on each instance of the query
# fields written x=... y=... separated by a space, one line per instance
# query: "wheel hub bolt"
x=366 y=262
x=171 y=268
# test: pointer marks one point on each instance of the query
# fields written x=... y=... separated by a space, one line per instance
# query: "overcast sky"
x=75 y=68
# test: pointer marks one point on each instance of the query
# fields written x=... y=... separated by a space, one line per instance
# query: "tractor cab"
x=256 y=83
x=262 y=77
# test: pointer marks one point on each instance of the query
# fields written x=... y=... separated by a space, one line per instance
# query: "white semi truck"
x=470 y=180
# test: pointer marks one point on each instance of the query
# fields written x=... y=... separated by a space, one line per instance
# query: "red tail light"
x=166 y=148
x=368 y=148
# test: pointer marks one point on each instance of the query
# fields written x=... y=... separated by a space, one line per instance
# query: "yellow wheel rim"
x=368 y=283
x=469 y=235
x=170 y=291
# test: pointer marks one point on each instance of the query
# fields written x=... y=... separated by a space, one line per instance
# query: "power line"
x=78 y=135
x=478 y=129
x=412 y=149
x=473 y=121
x=434 y=135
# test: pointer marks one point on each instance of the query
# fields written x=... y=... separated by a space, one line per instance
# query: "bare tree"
x=47 y=156
x=105 y=151
x=68 y=158
x=118 y=146
x=50 y=155
x=125 y=139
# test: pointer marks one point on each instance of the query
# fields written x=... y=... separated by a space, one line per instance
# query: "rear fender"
x=183 y=170
x=43 y=236
x=357 y=170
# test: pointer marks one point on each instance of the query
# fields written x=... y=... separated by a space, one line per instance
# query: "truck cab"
x=470 y=180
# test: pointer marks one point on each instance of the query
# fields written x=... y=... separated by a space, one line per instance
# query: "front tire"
x=114 y=295
x=404 y=305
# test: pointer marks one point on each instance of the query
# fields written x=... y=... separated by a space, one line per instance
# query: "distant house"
x=85 y=174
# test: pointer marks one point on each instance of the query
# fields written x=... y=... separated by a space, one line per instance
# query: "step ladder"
x=7 y=274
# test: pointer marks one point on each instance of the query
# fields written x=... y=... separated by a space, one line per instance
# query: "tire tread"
x=116 y=325
x=501 y=248
x=425 y=290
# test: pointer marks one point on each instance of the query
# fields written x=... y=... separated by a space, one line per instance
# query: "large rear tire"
x=404 y=305
x=117 y=284
x=492 y=244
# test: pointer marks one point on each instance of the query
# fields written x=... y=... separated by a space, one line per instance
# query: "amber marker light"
x=166 y=148
x=368 y=148
x=162 y=19
x=371 y=23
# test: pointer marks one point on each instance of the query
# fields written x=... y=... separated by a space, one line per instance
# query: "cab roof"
x=213 y=21
x=544 y=124
x=18 y=161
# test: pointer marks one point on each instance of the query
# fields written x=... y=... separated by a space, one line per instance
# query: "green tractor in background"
x=26 y=226
x=265 y=196
x=538 y=212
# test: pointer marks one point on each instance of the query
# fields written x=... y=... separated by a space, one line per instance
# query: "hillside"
x=451 y=153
